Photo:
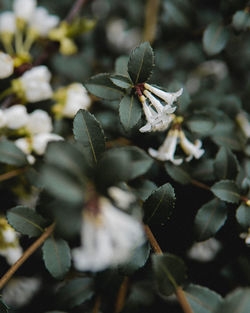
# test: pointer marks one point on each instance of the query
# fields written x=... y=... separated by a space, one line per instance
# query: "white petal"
x=39 y=122
x=16 y=116
x=40 y=142
x=122 y=198
x=24 y=9
x=168 y=97
x=189 y=148
x=7 y=22
x=42 y=22
x=6 y=65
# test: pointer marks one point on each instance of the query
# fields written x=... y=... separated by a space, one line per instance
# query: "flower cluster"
x=9 y=243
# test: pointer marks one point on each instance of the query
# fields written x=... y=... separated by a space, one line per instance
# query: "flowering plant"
x=124 y=168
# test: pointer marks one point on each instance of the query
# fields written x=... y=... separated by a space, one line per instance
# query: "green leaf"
x=201 y=123
x=141 y=62
x=203 y=170
x=11 y=154
x=3 y=307
x=225 y=165
x=241 y=20
x=228 y=138
x=226 y=190
x=76 y=292
x=129 y=111
x=159 y=205
x=101 y=86
x=26 y=221
x=121 y=65
x=143 y=188
x=243 y=215
x=56 y=256
x=137 y=260
x=59 y=183
x=88 y=131
x=169 y=271
x=178 y=173
x=236 y=302
x=209 y=219
x=215 y=38
x=121 y=81
x=202 y=299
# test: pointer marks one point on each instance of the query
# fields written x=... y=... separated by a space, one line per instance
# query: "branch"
x=11 y=174
x=151 y=17
x=26 y=255
x=178 y=291
x=121 y=295
x=97 y=305
x=74 y=10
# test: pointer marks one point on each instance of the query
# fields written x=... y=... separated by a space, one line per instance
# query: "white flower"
x=25 y=145
x=204 y=251
x=6 y=65
x=77 y=98
x=2 y=119
x=16 y=116
x=42 y=22
x=244 y=124
x=168 y=97
x=155 y=121
x=35 y=84
x=40 y=141
x=108 y=236
x=122 y=198
x=12 y=254
x=167 y=149
x=19 y=291
x=24 y=9
x=192 y=150
x=7 y=22
x=39 y=122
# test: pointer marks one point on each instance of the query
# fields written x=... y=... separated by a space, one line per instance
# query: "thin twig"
x=178 y=291
x=151 y=17
x=26 y=255
x=200 y=185
x=97 y=304
x=11 y=174
x=74 y=10
x=121 y=296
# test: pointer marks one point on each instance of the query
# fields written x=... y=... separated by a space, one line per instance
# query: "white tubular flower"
x=204 y=251
x=122 y=198
x=167 y=149
x=39 y=122
x=40 y=141
x=2 y=119
x=35 y=84
x=191 y=150
x=7 y=22
x=16 y=116
x=244 y=124
x=25 y=145
x=108 y=236
x=168 y=109
x=41 y=22
x=6 y=65
x=168 y=97
x=155 y=121
x=24 y=9
x=77 y=98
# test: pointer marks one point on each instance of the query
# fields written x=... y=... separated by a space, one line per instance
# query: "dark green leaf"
x=3 y=307
x=241 y=20
x=121 y=65
x=226 y=165
x=101 y=86
x=209 y=219
x=202 y=299
x=129 y=111
x=141 y=62
x=201 y=123
x=228 y=138
x=226 y=190
x=203 y=170
x=169 y=271
x=26 y=221
x=178 y=173
x=215 y=38
x=88 y=131
x=143 y=188
x=243 y=215
x=121 y=81
x=76 y=292
x=56 y=256
x=236 y=302
x=159 y=205
x=10 y=154
x=137 y=260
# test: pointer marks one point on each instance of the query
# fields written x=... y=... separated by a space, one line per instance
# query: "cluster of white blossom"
x=9 y=243
x=159 y=117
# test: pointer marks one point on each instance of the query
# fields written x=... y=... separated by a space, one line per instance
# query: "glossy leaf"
x=243 y=215
x=201 y=123
x=88 y=131
x=236 y=302
x=10 y=154
x=226 y=165
x=143 y=188
x=26 y=221
x=215 y=38
x=121 y=81
x=56 y=256
x=129 y=111
x=159 y=205
x=169 y=272
x=241 y=20
x=226 y=190
x=121 y=65
x=178 y=173
x=141 y=62
x=209 y=219
x=101 y=86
